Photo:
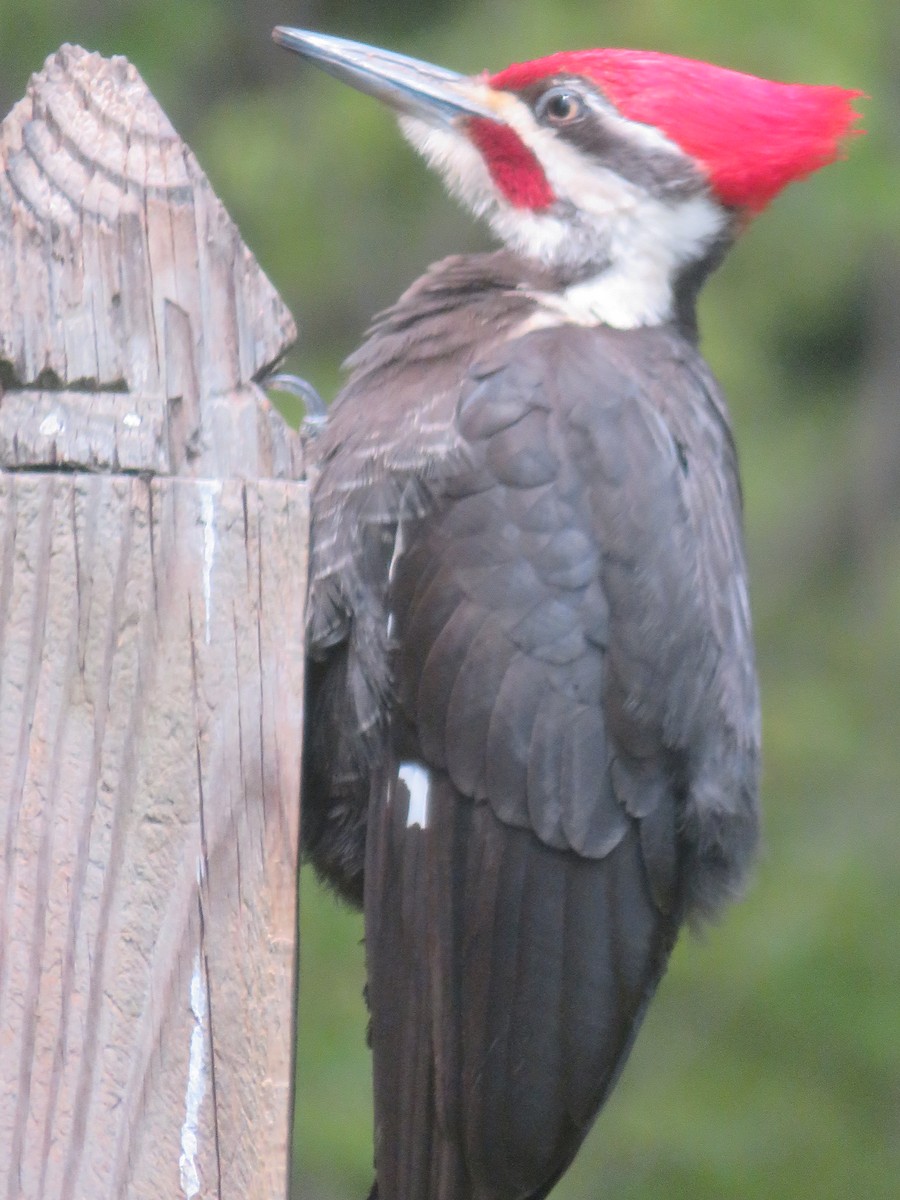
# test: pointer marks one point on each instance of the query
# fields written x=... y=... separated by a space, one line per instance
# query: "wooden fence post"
x=152 y=580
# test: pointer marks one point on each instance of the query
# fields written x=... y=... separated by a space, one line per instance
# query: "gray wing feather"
x=581 y=641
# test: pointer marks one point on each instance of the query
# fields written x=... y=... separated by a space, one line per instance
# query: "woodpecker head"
x=626 y=172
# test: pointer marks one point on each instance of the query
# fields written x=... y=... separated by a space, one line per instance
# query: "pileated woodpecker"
x=533 y=732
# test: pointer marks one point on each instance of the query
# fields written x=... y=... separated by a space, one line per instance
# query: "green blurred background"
x=769 y=1066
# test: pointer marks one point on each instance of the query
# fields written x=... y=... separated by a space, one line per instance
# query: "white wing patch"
x=399 y=547
x=418 y=784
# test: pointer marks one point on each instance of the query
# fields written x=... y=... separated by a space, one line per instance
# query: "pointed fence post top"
x=134 y=322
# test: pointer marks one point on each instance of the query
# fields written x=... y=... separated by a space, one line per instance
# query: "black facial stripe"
x=669 y=175
x=689 y=281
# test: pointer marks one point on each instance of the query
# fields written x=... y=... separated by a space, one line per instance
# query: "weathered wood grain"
x=121 y=272
x=152 y=580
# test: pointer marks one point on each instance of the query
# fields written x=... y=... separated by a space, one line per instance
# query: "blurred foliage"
x=769 y=1066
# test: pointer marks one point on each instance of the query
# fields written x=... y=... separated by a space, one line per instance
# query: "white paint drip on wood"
x=209 y=490
x=418 y=784
x=52 y=425
x=196 y=1085
x=132 y=420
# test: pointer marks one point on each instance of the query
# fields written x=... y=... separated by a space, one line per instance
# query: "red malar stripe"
x=513 y=167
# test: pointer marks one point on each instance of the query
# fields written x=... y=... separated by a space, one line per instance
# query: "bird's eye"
x=560 y=106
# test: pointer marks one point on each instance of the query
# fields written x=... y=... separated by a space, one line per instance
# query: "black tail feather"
x=507 y=982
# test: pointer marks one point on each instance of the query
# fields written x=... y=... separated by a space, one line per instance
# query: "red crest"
x=751 y=135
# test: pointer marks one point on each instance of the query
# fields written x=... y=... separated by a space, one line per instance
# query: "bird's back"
x=533 y=734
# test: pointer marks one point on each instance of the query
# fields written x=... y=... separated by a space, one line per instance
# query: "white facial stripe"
x=645 y=240
x=646 y=251
x=641 y=241
x=418 y=784
x=449 y=151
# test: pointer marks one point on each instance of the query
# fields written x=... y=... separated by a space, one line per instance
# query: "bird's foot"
x=316 y=408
